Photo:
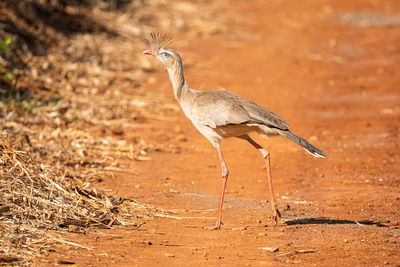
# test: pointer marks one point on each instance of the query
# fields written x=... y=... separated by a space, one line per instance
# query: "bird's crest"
x=158 y=40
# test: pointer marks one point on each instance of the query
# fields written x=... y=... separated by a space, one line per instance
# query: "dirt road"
x=330 y=68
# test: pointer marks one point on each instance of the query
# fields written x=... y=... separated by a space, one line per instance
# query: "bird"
x=221 y=114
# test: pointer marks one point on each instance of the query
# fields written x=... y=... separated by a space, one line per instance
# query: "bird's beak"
x=149 y=52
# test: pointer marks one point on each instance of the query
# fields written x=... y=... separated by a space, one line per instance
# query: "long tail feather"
x=303 y=143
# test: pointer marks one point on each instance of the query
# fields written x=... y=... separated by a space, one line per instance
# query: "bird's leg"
x=275 y=212
x=225 y=174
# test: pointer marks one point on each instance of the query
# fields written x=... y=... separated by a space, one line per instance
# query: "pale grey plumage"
x=230 y=108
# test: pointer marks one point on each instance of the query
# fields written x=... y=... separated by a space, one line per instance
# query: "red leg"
x=225 y=173
x=275 y=212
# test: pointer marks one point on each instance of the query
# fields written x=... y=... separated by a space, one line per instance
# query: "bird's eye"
x=166 y=55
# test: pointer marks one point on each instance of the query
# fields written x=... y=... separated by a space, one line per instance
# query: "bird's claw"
x=276 y=215
x=217 y=226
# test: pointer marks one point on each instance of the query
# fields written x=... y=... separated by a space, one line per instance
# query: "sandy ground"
x=330 y=68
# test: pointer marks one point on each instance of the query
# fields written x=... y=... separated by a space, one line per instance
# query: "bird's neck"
x=178 y=80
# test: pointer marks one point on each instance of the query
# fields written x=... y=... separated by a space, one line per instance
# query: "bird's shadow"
x=332 y=221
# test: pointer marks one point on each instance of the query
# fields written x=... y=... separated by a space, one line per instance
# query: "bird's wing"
x=220 y=108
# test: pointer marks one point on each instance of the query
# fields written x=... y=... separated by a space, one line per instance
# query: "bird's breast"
x=189 y=112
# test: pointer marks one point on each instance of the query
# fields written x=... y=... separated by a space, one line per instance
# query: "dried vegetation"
x=77 y=89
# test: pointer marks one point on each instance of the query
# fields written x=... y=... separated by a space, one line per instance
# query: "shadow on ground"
x=332 y=221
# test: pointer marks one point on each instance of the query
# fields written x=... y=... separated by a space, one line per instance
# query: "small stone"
x=117 y=131
x=169 y=255
x=143 y=158
x=239 y=229
x=181 y=138
x=270 y=249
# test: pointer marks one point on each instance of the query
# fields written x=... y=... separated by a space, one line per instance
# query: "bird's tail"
x=303 y=143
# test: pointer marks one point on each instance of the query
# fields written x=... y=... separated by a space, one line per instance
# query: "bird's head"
x=158 y=43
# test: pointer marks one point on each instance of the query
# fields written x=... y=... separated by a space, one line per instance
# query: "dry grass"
x=35 y=199
x=70 y=122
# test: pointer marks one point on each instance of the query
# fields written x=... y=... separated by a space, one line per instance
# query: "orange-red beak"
x=149 y=52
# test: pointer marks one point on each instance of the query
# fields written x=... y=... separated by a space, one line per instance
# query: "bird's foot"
x=276 y=214
x=217 y=226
